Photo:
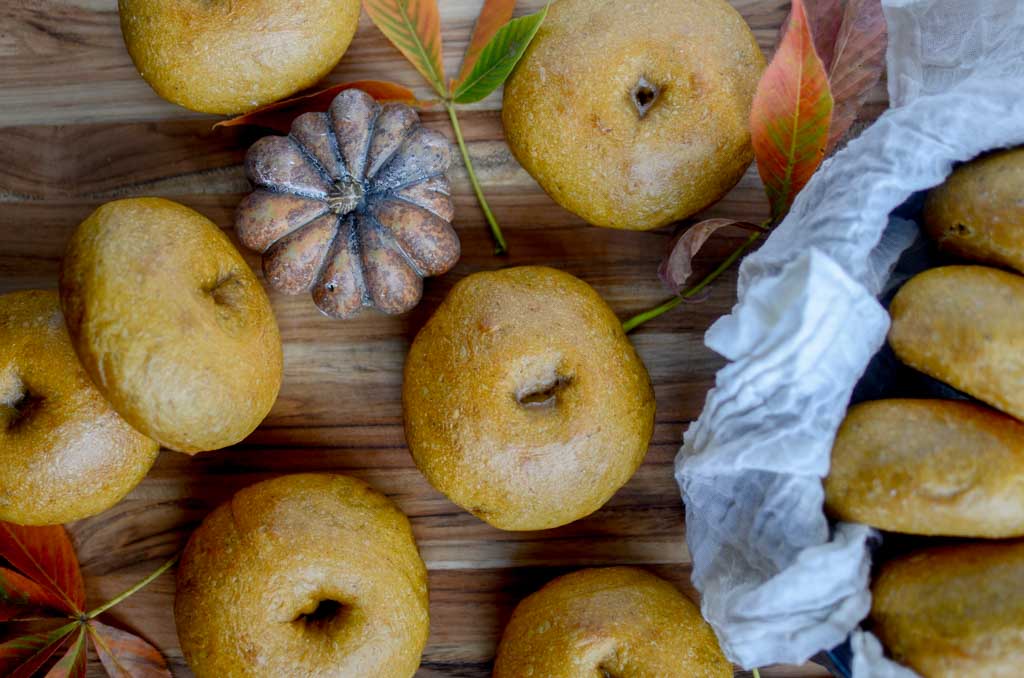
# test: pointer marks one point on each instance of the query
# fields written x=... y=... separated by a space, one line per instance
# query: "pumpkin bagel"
x=635 y=114
x=64 y=453
x=230 y=56
x=171 y=324
x=524 y=401
x=303 y=575
x=617 y=622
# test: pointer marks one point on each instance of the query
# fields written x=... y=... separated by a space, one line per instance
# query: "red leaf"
x=825 y=18
x=414 y=27
x=859 y=58
x=45 y=555
x=24 y=656
x=279 y=115
x=125 y=655
x=790 y=117
x=22 y=598
x=677 y=267
x=72 y=664
x=493 y=15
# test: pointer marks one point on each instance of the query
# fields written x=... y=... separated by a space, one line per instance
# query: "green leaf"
x=499 y=57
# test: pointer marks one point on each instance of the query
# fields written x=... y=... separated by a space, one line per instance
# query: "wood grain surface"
x=79 y=127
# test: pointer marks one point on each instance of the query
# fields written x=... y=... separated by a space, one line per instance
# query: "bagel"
x=171 y=324
x=932 y=467
x=978 y=213
x=953 y=611
x=635 y=114
x=964 y=325
x=524 y=401
x=64 y=453
x=215 y=56
x=617 y=622
x=303 y=575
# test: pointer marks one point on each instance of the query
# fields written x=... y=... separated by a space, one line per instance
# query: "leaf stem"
x=142 y=584
x=499 y=240
x=650 y=314
x=755 y=673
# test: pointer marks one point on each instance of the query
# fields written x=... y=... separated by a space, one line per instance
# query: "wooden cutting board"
x=78 y=127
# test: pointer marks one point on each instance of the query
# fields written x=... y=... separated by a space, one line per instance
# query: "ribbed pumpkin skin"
x=352 y=206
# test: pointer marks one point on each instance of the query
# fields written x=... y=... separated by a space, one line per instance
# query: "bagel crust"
x=635 y=114
x=524 y=401
x=64 y=452
x=230 y=56
x=932 y=467
x=953 y=611
x=171 y=324
x=619 y=621
x=303 y=575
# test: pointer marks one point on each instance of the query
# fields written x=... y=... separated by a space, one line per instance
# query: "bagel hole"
x=326 y=615
x=226 y=291
x=644 y=95
x=18 y=404
x=543 y=394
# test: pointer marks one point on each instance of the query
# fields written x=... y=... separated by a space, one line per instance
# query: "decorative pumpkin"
x=353 y=205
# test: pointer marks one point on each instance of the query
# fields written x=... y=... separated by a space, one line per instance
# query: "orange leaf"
x=45 y=555
x=279 y=115
x=857 y=63
x=22 y=598
x=677 y=267
x=493 y=15
x=791 y=114
x=72 y=664
x=414 y=27
x=125 y=655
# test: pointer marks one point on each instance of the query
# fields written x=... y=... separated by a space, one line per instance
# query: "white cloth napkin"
x=777 y=584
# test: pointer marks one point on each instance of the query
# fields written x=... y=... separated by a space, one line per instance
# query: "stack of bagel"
x=160 y=335
x=951 y=469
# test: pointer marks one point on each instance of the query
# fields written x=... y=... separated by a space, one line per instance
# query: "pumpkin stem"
x=499 y=240
x=345 y=195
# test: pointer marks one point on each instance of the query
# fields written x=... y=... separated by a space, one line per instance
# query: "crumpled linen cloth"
x=778 y=583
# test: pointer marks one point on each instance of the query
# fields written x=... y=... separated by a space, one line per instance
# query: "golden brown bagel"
x=954 y=612
x=936 y=467
x=64 y=453
x=635 y=115
x=524 y=401
x=171 y=324
x=619 y=621
x=978 y=213
x=964 y=325
x=230 y=56
x=303 y=575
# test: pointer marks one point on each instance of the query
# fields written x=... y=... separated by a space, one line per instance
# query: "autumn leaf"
x=791 y=114
x=279 y=115
x=125 y=655
x=499 y=57
x=22 y=657
x=677 y=267
x=72 y=664
x=45 y=555
x=22 y=598
x=857 y=63
x=493 y=15
x=414 y=27
x=45 y=579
